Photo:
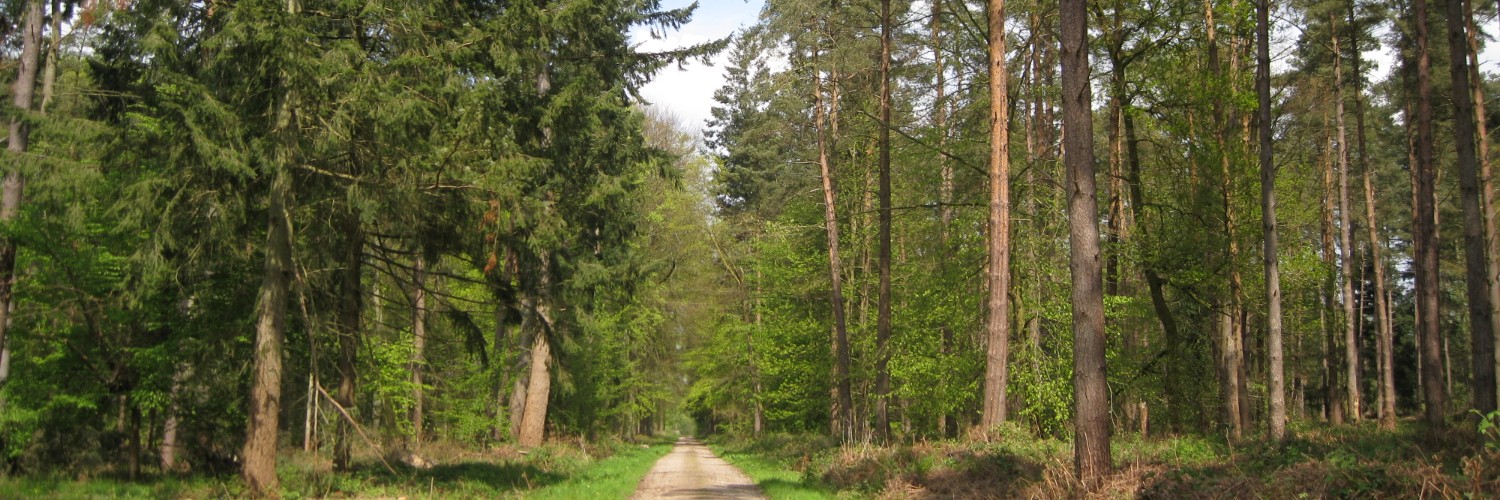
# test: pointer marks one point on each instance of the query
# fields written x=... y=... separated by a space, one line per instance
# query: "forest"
x=922 y=249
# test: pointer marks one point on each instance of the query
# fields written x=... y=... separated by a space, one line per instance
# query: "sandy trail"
x=693 y=471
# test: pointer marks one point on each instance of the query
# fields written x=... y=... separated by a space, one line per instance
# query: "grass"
x=778 y=479
x=616 y=477
x=560 y=471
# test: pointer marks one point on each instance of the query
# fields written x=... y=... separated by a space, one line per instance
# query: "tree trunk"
x=419 y=347
x=1487 y=188
x=843 y=421
x=883 y=320
x=350 y=310
x=1333 y=407
x=997 y=321
x=534 y=420
x=49 y=74
x=1346 y=249
x=259 y=453
x=1268 y=218
x=1425 y=258
x=1481 y=327
x=1383 y=326
x=10 y=189
x=168 y=450
x=1229 y=344
x=1091 y=400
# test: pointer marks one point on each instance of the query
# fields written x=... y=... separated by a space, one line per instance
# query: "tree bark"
x=22 y=91
x=1384 y=330
x=883 y=319
x=1487 y=187
x=1091 y=402
x=843 y=421
x=997 y=320
x=1481 y=327
x=534 y=421
x=264 y=410
x=1268 y=224
x=418 y=362
x=1332 y=406
x=348 y=327
x=1425 y=257
x=1346 y=249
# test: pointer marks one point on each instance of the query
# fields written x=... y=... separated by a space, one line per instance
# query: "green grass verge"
x=614 y=477
x=776 y=478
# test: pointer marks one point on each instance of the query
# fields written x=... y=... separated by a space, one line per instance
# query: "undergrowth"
x=559 y=470
x=1317 y=461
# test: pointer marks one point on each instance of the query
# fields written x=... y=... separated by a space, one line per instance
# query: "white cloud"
x=689 y=92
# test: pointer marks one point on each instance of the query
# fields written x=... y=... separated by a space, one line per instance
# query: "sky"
x=689 y=93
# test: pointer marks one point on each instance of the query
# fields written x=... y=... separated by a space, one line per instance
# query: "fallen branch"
x=378 y=452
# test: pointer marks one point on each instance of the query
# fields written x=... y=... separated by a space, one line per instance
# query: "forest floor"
x=693 y=471
x=561 y=470
x=1318 y=461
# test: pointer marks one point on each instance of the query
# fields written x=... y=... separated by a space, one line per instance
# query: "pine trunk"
x=349 y=315
x=417 y=363
x=1346 y=248
x=1481 y=327
x=1091 y=399
x=1268 y=224
x=997 y=321
x=264 y=410
x=843 y=403
x=539 y=386
x=883 y=319
x=1425 y=257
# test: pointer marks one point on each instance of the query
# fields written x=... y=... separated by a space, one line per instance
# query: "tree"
x=997 y=319
x=1424 y=227
x=1476 y=256
x=23 y=93
x=883 y=322
x=1091 y=456
x=1268 y=221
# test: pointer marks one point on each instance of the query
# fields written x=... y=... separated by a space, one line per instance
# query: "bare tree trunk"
x=1487 y=188
x=1091 y=399
x=10 y=189
x=419 y=347
x=1481 y=326
x=997 y=321
x=883 y=320
x=259 y=454
x=1346 y=249
x=843 y=420
x=534 y=421
x=1333 y=407
x=349 y=319
x=1268 y=221
x=1384 y=330
x=169 y=444
x=1425 y=258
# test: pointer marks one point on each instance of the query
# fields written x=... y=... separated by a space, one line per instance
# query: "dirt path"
x=692 y=471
